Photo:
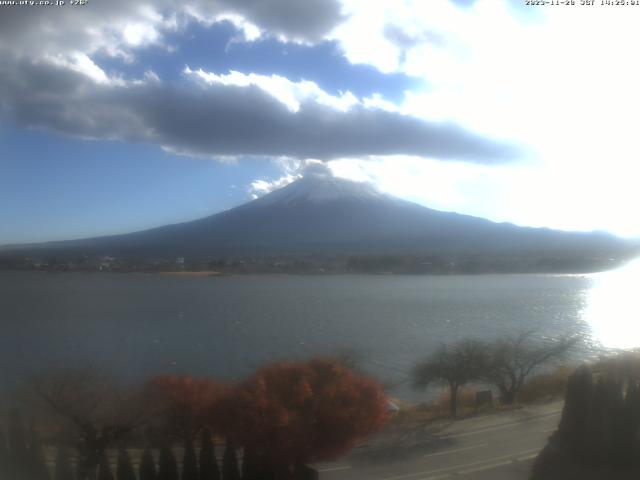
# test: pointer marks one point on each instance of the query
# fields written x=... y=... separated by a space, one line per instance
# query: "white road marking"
x=511 y=456
x=445 y=452
x=437 y=477
x=499 y=427
x=484 y=430
x=501 y=457
x=484 y=467
x=528 y=457
x=417 y=474
x=334 y=469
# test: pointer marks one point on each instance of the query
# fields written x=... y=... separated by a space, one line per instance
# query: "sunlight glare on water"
x=613 y=307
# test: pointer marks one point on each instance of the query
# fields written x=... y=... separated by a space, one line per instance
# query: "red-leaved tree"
x=291 y=414
x=183 y=403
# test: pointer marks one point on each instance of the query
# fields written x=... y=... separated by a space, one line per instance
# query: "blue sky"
x=117 y=117
x=217 y=49
x=69 y=187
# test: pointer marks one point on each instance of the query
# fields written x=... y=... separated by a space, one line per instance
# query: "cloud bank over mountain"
x=225 y=119
x=52 y=81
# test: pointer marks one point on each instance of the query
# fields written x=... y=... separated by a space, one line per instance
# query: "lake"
x=137 y=324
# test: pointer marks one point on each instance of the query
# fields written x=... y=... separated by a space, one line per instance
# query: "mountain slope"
x=322 y=215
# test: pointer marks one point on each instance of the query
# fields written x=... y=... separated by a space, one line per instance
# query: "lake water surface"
x=138 y=325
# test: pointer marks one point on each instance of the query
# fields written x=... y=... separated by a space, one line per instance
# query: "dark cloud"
x=219 y=120
x=52 y=30
x=101 y=24
x=307 y=20
x=213 y=120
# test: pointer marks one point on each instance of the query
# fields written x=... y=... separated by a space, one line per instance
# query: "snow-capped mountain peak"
x=320 y=189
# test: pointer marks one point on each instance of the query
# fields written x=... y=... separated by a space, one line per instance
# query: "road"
x=497 y=447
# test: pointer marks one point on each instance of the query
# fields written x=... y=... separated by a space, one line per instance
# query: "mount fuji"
x=324 y=215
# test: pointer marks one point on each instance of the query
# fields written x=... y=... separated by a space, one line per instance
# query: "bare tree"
x=510 y=361
x=453 y=366
x=94 y=409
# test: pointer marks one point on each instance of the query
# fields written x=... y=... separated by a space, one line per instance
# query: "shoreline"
x=217 y=273
x=190 y=274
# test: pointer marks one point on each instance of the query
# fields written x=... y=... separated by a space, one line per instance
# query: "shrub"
x=230 y=470
x=208 y=464
x=295 y=413
x=104 y=468
x=545 y=386
x=189 y=462
x=183 y=402
x=124 y=469
x=167 y=465
x=147 y=469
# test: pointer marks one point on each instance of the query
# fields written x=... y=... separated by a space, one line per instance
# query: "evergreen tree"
x=614 y=423
x=573 y=423
x=189 y=462
x=147 y=469
x=600 y=427
x=632 y=429
x=124 y=469
x=595 y=443
x=104 y=468
x=252 y=468
x=230 y=469
x=167 y=466
x=209 y=469
x=63 y=470
x=18 y=448
x=4 y=455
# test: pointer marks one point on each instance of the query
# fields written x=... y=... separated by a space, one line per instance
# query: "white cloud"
x=261 y=187
x=81 y=63
x=293 y=170
x=289 y=93
x=250 y=32
x=140 y=34
x=555 y=196
x=563 y=83
x=570 y=71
